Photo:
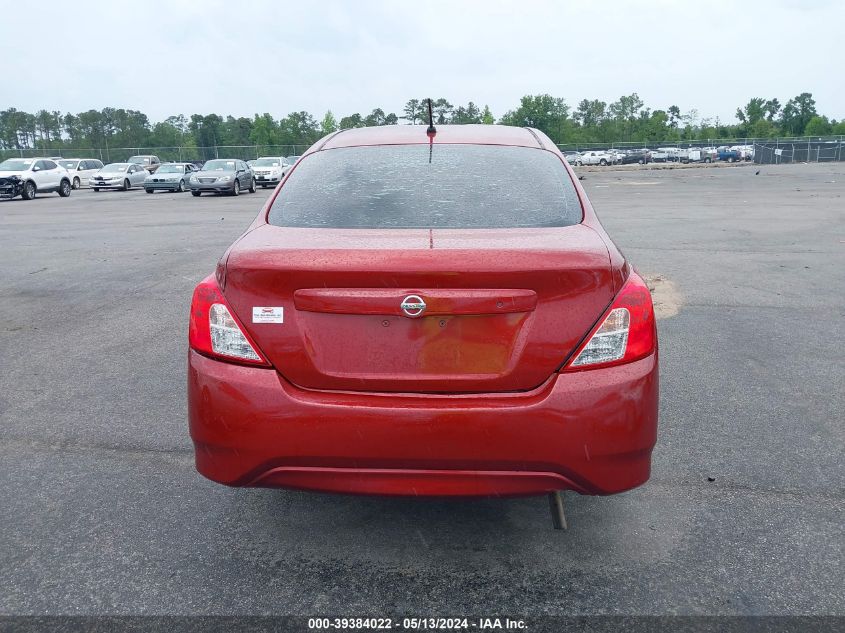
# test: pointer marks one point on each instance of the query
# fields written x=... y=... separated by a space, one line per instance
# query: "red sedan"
x=416 y=314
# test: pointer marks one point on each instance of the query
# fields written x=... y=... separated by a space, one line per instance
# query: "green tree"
x=772 y=108
x=70 y=123
x=298 y=128
x=487 y=117
x=376 y=117
x=468 y=114
x=590 y=114
x=625 y=112
x=674 y=113
x=797 y=113
x=205 y=130
x=329 y=123
x=442 y=111
x=411 y=111
x=544 y=112
x=265 y=130
x=763 y=129
x=753 y=111
x=165 y=134
x=818 y=126
x=353 y=120
x=235 y=131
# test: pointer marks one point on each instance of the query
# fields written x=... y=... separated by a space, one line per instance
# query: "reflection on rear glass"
x=464 y=186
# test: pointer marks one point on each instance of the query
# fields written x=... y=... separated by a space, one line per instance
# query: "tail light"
x=215 y=331
x=625 y=333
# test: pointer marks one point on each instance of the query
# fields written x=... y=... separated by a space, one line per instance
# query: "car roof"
x=416 y=134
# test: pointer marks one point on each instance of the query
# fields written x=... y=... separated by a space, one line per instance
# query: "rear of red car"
x=425 y=318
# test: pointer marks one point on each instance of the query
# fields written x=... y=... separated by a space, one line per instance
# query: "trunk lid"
x=502 y=307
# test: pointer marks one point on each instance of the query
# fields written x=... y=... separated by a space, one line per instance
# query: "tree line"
x=590 y=121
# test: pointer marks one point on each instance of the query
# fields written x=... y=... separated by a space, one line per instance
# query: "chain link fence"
x=177 y=154
x=808 y=151
x=798 y=142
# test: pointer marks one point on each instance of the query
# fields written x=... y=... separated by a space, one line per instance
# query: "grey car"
x=118 y=176
x=169 y=177
x=223 y=175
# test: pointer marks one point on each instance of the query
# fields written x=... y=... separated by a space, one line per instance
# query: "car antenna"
x=431 y=131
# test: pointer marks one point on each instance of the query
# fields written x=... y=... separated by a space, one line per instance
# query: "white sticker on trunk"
x=268 y=315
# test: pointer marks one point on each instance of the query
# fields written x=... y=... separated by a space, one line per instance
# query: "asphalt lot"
x=102 y=511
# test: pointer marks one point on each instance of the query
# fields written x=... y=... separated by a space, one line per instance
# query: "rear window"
x=415 y=186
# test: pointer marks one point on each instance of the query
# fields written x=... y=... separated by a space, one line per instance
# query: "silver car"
x=80 y=169
x=223 y=175
x=269 y=170
x=118 y=176
x=169 y=177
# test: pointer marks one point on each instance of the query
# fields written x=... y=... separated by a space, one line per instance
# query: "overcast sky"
x=238 y=57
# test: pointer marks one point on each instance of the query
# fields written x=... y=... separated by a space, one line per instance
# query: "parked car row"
x=27 y=176
x=660 y=155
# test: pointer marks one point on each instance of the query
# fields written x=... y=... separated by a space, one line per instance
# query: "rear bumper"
x=590 y=431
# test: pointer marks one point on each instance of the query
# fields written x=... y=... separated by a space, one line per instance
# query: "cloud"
x=187 y=56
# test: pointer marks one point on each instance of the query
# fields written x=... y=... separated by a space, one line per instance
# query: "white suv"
x=595 y=158
x=80 y=169
x=39 y=175
x=269 y=170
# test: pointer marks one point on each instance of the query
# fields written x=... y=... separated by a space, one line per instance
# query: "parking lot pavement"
x=104 y=513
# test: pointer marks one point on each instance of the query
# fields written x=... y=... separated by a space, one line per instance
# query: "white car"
x=617 y=155
x=269 y=170
x=746 y=152
x=595 y=158
x=572 y=157
x=118 y=176
x=39 y=175
x=80 y=169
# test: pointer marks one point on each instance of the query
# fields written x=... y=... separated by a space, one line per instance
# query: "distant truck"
x=147 y=161
x=595 y=158
x=695 y=155
x=728 y=155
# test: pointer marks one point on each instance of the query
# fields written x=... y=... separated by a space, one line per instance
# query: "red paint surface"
x=589 y=431
x=465 y=399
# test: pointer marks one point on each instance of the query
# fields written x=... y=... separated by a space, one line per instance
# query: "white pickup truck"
x=595 y=158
